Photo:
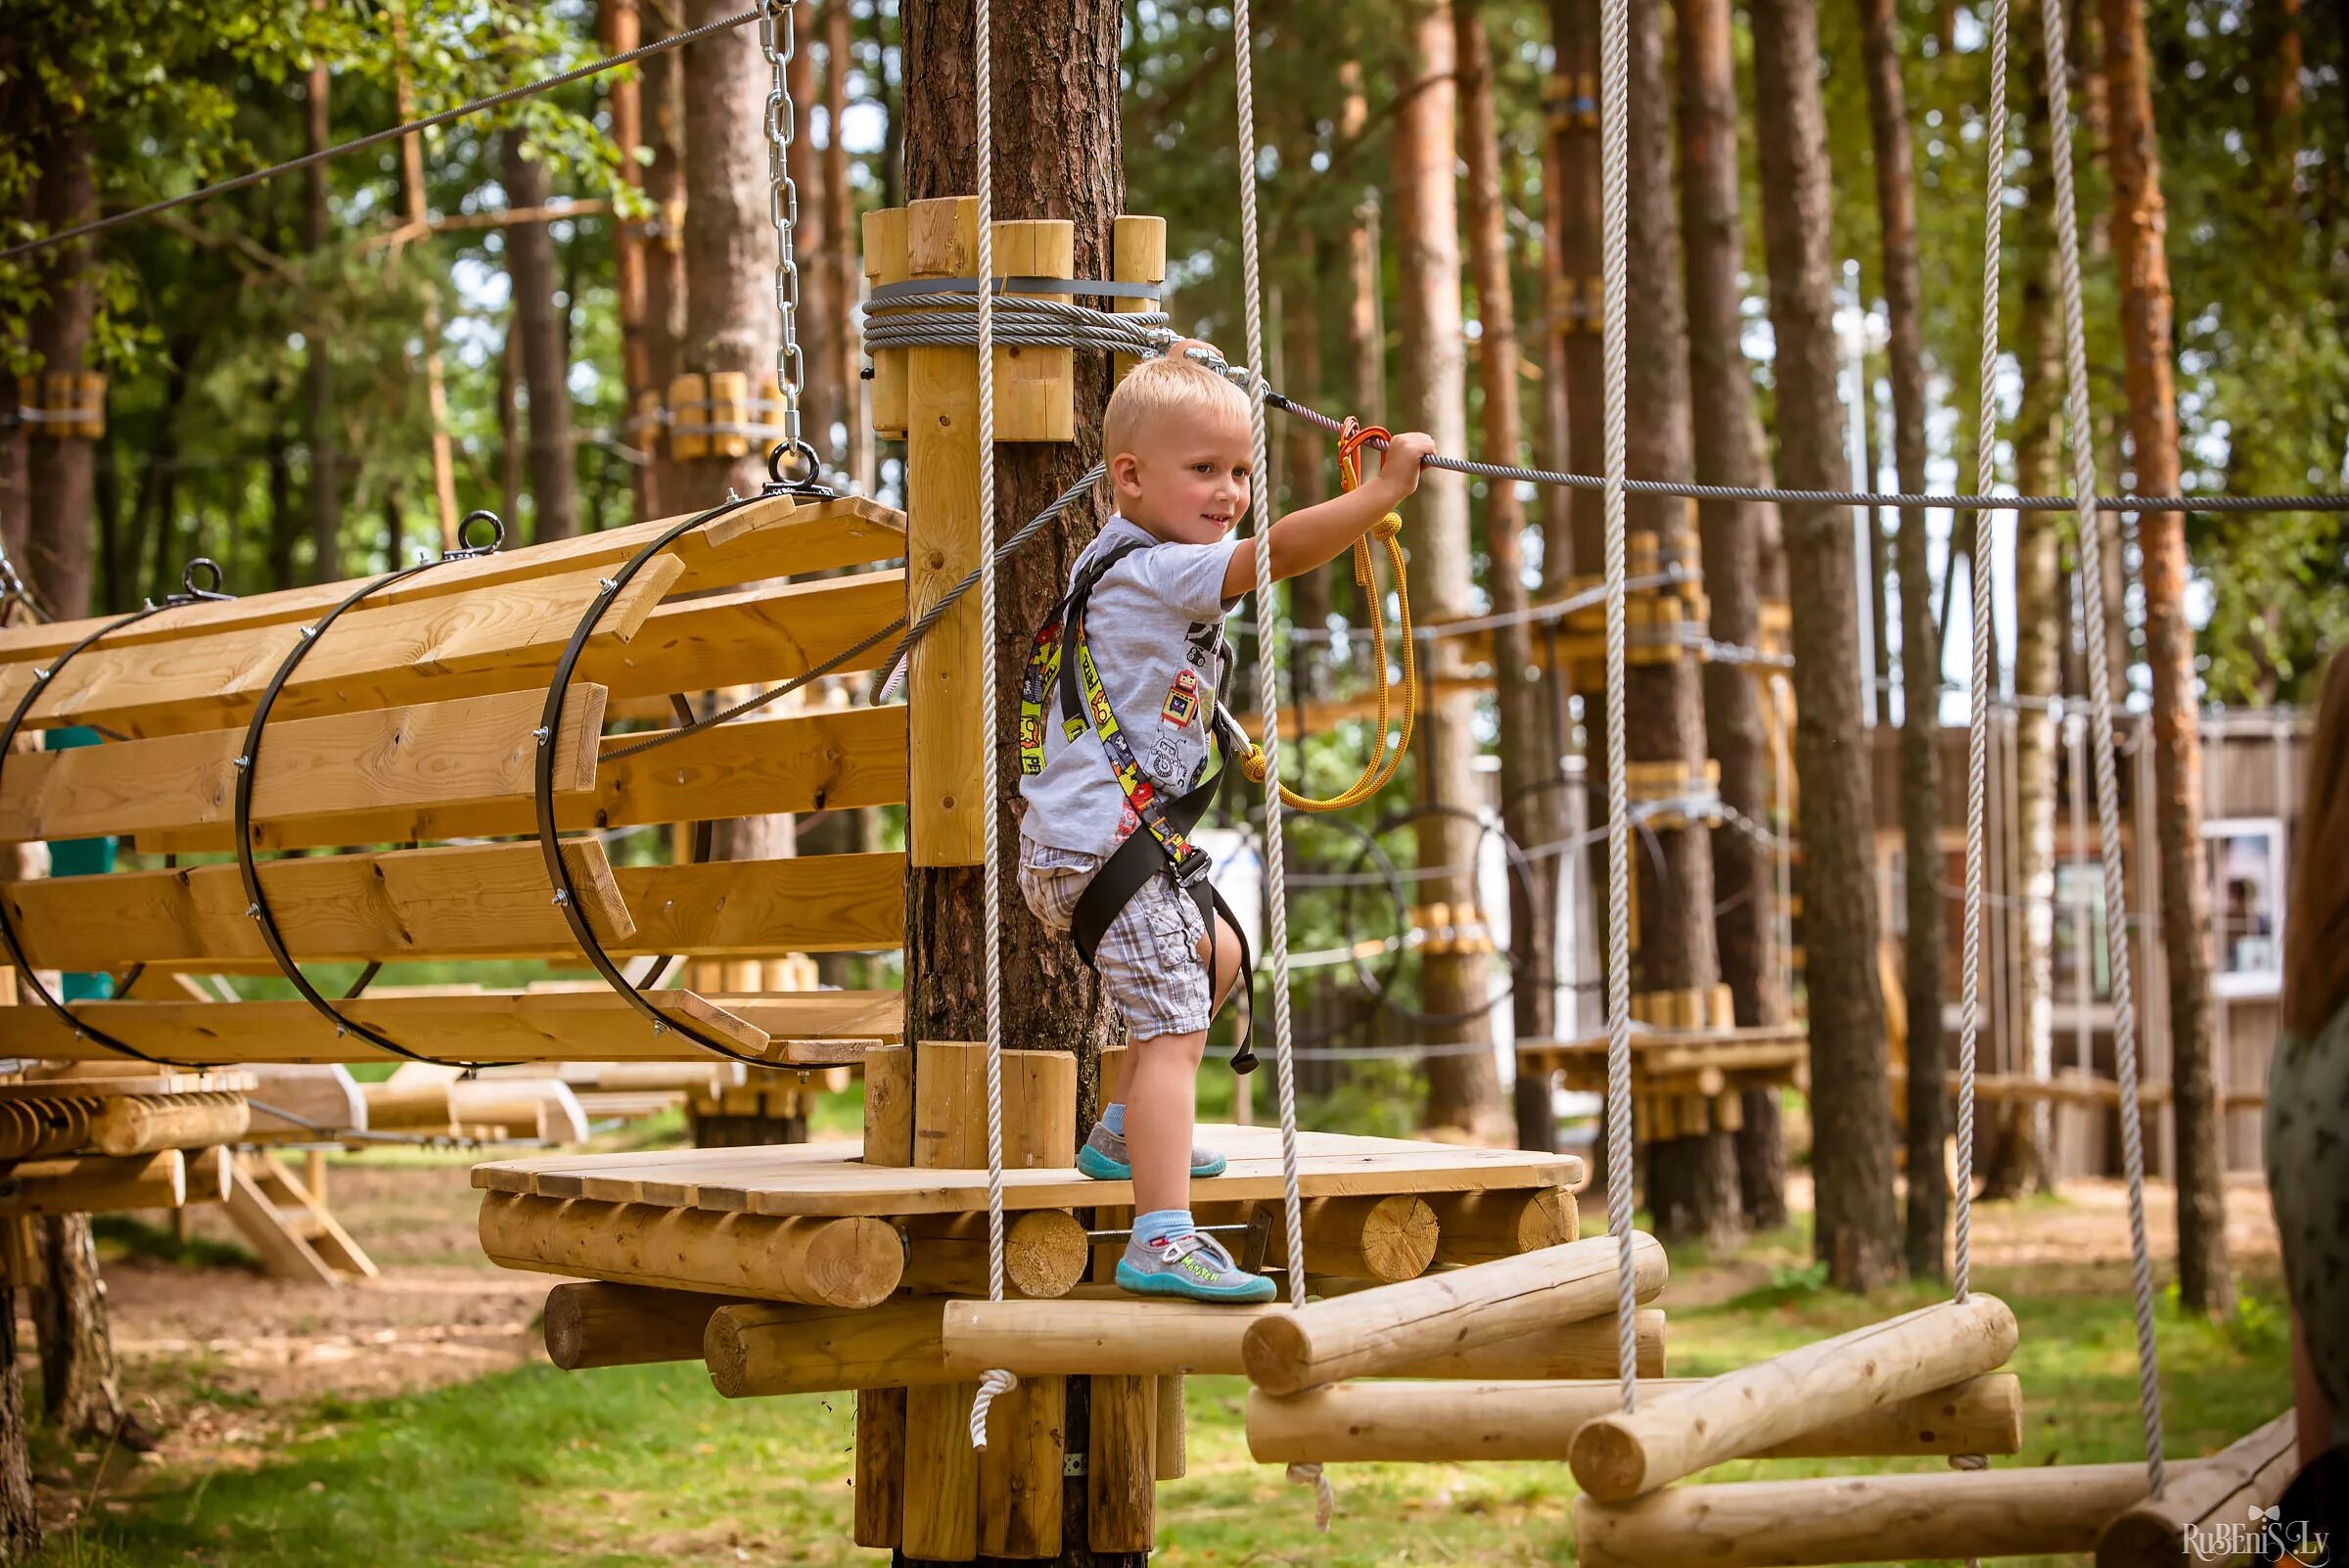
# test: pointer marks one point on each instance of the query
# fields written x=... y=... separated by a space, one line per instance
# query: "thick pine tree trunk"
x=1463 y=1089
x=1692 y=1181
x=619 y=28
x=538 y=323
x=59 y=469
x=730 y=322
x=80 y=1381
x=1059 y=154
x=667 y=488
x=820 y=318
x=325 y=495
x=1532 y=814
x=20 y=1517
x=1858 y=1231
x=1305 y=475
x=1727 y=452
x=840 y=257
x=2139 y=226
x=1366 y=369
x=1920 y=646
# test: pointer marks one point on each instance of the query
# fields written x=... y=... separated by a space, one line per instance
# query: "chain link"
x=776 y=38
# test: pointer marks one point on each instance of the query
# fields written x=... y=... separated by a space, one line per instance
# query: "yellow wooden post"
x=1036 y=389
x=1138 y=254
x=885 y=263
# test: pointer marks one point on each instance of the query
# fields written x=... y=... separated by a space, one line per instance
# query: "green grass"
x=646 y=1466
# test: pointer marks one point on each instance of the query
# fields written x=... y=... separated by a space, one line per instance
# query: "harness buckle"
x=1193 y=869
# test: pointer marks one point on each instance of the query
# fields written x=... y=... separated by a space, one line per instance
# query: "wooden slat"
x=828 y=1178
x=809 y=903
x=462 y=753
x=806 y=1028
x=854 y=756
x=486 y=900
x=770 y=537
x=426 y=650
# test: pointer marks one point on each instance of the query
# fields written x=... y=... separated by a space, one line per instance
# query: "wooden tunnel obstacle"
x=415 y=715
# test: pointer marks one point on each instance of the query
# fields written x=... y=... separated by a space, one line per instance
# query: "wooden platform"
x=829 y=1178
x=1773 y=1048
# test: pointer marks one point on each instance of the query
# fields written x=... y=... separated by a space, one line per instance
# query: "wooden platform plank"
x=480 y=900
x=774 y=537
x=854 y=756
x=451 y=753
x=425 y=650
x=801 y=1029
x=808 y=903
x=829 y=1179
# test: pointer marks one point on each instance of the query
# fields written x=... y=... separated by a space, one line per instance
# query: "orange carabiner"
x=1352 y=435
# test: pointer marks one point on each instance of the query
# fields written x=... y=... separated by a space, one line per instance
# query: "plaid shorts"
x=1148 y=959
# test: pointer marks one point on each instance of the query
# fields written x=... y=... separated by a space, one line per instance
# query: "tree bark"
x=1463 y=1089
x=412 y=206
x=1366 y=318
x=2139 y=226
x=60 y=468
x=619 y=28
x=325 y=490
x=667 y=488
x=20 y=1517
x=820 y=320
x=1574 y=27
x=1529 y=808
x=1306 y=478
x=1928 y=1210
x=1058 y=154
x=546 y=375
x=80 y=1381
x=1727 y=452
x=1692 y=1181
x=840 y=257
x=1857 y=1232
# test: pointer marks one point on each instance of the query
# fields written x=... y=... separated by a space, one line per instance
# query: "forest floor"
x=416 y=1419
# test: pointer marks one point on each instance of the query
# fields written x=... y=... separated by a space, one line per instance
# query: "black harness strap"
x=248 y=765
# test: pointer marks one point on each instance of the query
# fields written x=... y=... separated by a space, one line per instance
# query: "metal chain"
x=776 y=38
x=2080 y=436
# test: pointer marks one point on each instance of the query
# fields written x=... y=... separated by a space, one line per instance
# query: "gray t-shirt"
x=1156 y=626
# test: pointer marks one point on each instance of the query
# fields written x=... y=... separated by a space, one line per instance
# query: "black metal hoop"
x=247 y=763
x=550 y=722
x=811 y=487
x=25 y=974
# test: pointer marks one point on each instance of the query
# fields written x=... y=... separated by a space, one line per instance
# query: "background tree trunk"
x=1928 y=1209
x=1059 y=153
x=413 y=214
x=319 y=366
x=2139 y=226
x=545 y=372
x=1306 y=478
x=1722 y=402
x=1365 y=300
x=1692 y=1181
x=840 y=257
x=1857 y=1232
x=80 y=1382
x=60 y=468
x=1464 y=1091
x=619 y=29
x=667 y=488
x=822 y=319
x=19 y=1518
x=1531 y=812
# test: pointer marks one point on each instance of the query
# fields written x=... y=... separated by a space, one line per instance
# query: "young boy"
x=1176 y=441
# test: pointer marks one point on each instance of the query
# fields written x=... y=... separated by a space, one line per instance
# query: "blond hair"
x=1160 y=390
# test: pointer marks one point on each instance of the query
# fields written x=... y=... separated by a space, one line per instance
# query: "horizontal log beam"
x=1742 y=1413
x=589 y=1323
x=1459 y=1423
x=1375 y=1331
x=1385 y=1240
x=2224 y=1492
x=2050 y=1511
x=1044 y=1254
x=141 y=1123
x=774 y=536
x=1096 y=1336
x=759 y=1348
x=1476 y=1227
x=95 y=1184
x=826 y=1263
x=853 y=757
x=441 y=754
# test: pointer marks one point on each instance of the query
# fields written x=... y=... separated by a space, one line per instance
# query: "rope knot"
x=1386 y=528
x=1325 y=1501
x=993 y=1384
x=1253 y=766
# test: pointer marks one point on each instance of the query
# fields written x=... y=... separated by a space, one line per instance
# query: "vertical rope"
x=1614 y=65
x=2080 y=437
x=1978 y=694
x=996 y=1381
x=1267 y=699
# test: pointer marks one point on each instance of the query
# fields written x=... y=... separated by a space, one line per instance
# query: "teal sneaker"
x=1194 y=1267
x=1104 y=1158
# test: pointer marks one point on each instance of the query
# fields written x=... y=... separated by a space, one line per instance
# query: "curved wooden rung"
x=2217 y=1499
x=1741 y=1414
x=1451 y=1423
x=1850 y=1519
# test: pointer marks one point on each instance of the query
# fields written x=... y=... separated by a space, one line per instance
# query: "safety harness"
x=1062 y=663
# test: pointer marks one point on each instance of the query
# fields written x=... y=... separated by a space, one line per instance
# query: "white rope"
x=1614 y=67
x=997 y=1381
x=2080 y=437
x=1268 y=705
x=1978 y=695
